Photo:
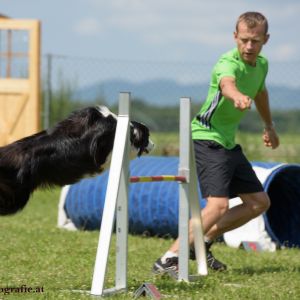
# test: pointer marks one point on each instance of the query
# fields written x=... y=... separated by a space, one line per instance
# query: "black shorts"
x=222 y=172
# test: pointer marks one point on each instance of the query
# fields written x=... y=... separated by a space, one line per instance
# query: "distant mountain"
x=163 y=92
x=159 y=92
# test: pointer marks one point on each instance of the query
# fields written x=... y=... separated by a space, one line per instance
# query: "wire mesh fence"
x=68 y=80
x=157 y=83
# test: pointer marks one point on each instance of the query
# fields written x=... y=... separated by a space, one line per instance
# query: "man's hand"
x=270 y=137
x=243 y=103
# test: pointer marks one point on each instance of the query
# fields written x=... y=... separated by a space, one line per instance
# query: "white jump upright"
x=116 y=203
x=116 y=195
x=189 y=198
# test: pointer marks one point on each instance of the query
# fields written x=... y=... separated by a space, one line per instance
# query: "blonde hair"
x=252 y=19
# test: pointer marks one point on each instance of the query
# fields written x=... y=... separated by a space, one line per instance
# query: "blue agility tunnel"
x=282 y=220
x=153 y=206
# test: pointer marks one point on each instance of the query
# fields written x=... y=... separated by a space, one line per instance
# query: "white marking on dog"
x=150 y=146
x=106 y=112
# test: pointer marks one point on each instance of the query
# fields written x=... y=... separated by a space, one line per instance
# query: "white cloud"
x=284 y=52
x=88 y=27
x=167 y=22
x=201 y=24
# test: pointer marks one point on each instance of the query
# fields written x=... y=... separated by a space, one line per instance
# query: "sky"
x=156 y=30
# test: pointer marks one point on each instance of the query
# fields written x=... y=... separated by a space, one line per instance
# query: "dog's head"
x=139 y=133
x=140 y=138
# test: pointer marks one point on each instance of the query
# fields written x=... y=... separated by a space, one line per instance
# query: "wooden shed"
x=19 y=78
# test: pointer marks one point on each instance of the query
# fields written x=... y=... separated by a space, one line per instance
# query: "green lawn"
x=288 y=151
x=33 y=252
x=37 y=254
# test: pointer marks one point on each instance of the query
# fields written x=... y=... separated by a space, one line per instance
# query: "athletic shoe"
x=171 y=264
x=212 y=262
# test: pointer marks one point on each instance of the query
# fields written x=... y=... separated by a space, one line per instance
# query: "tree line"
x=164 y=118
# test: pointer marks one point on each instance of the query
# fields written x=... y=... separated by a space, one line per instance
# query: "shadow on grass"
x=167 y=283
x=262 y=270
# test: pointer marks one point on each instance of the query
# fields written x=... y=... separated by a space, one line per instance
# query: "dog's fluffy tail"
x=12 y=199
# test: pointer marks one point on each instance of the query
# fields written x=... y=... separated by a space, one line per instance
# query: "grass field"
x=34 y=253
x=288 y=151
x=37 y=254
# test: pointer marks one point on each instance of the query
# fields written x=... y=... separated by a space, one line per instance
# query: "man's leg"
x=253 y=205
x=214 y=210
x=217 y=219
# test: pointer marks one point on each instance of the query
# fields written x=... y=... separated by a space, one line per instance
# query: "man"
x=223 y=170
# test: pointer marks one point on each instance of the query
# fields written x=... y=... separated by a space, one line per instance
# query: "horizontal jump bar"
x=136 y=179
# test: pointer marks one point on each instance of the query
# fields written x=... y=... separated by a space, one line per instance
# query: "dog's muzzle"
x=149 y=147
x=146 y=149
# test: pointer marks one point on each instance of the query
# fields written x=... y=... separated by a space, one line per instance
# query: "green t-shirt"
x=218 y=119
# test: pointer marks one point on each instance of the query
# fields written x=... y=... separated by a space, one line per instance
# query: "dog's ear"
x=100 y=146
x=139 y=137
x=95 y=147
x=135 y=137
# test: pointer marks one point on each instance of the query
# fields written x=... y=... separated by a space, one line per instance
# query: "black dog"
x=62 y=155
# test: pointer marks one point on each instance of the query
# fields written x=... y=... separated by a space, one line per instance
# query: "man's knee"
x=258 y=203
x=219 y=204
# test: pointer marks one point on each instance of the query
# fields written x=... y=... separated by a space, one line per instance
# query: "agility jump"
x=116 y=202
